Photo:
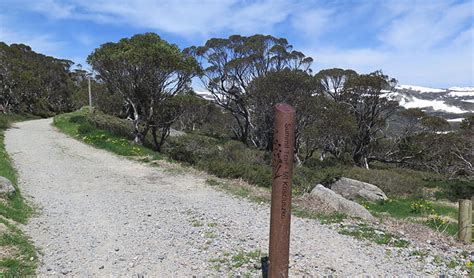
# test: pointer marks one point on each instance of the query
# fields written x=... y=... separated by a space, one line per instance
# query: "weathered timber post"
x=280 y=218
x=465 y=220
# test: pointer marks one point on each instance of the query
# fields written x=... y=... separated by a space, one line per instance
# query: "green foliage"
x=24 y=262
x=231 y=64
x=33 y=83
x=441 y=217
x=453 y=189
x=146 y=70
x=293 y=87
x=235 y=260
x=421 y=206
x=79 y=124
x=409 y=207
x=467 y=124
x=434 y=124
x=393 y=181
x=364 y=94
x=191 y=148
x=332 y=82
x=85 y=128
x=323 y=218
x=111 y=124
x=256 y=174
x=442 y=225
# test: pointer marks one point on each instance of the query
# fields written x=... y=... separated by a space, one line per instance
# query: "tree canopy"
x=146 y=70
x=34 y=83
x=230 y=65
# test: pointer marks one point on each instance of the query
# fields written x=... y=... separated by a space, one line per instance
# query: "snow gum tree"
x=230 y=65
x=146 y=70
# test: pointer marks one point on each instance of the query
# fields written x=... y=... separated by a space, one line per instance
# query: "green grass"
x=403 y=208
x=231 y=261
x=76 y=124
x=323 y=218
x=418 y=210
x=363 y=231
x=15 y=208
x=238 y=191
x=24 y=261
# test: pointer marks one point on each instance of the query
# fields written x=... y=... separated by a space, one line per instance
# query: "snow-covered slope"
x=450 y=103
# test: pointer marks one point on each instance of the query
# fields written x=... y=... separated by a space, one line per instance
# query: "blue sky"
x=427 y=42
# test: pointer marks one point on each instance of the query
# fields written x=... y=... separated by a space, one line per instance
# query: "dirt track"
x=103 y=215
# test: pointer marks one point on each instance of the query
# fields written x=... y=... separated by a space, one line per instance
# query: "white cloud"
x=312 y=23
x=425 y=25
x=53 y=8
x=43 y=43
x=185 y=18
x=439 y=67
x=423 y=43
x=85 y=39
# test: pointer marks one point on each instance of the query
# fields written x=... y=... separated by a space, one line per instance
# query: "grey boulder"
x=329 y=201
x=354 y=190
x=6 y=186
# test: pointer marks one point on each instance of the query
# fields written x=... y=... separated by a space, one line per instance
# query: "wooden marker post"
x=465 y=220
x=280 y=218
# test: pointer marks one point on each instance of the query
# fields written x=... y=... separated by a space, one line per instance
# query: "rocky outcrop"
x=328 y=201
x=6 y=186
x=354 y=190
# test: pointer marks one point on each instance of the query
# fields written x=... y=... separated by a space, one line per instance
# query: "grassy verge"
x=77 y=125
x=20 y=255
x=440 y=216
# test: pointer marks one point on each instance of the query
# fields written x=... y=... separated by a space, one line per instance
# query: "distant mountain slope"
x=453 y=103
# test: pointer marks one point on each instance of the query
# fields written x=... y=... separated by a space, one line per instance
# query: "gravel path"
x=102 y=215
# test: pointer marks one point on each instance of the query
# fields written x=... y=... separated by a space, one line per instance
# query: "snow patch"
x=461 y=89
x=420 y=89
x=462 y=94
x=456 y=120
x=435 y=104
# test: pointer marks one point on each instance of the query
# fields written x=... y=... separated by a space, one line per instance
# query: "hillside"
x=453 y=104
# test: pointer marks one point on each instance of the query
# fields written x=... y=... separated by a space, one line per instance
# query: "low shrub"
x=112 y=124
x=453 y=189
x=239 y=152
x=394 y=181
x=191 y=148
x=260 y=175
x=421 y=206
x=7 y=119
x=316 y=163
x=78 y=119
x=305 y=178
x=4 y=123
x=85 y=128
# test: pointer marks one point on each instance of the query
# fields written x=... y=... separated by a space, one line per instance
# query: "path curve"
x=102 y=215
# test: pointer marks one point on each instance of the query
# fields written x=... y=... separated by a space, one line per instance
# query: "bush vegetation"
x=83 y=125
